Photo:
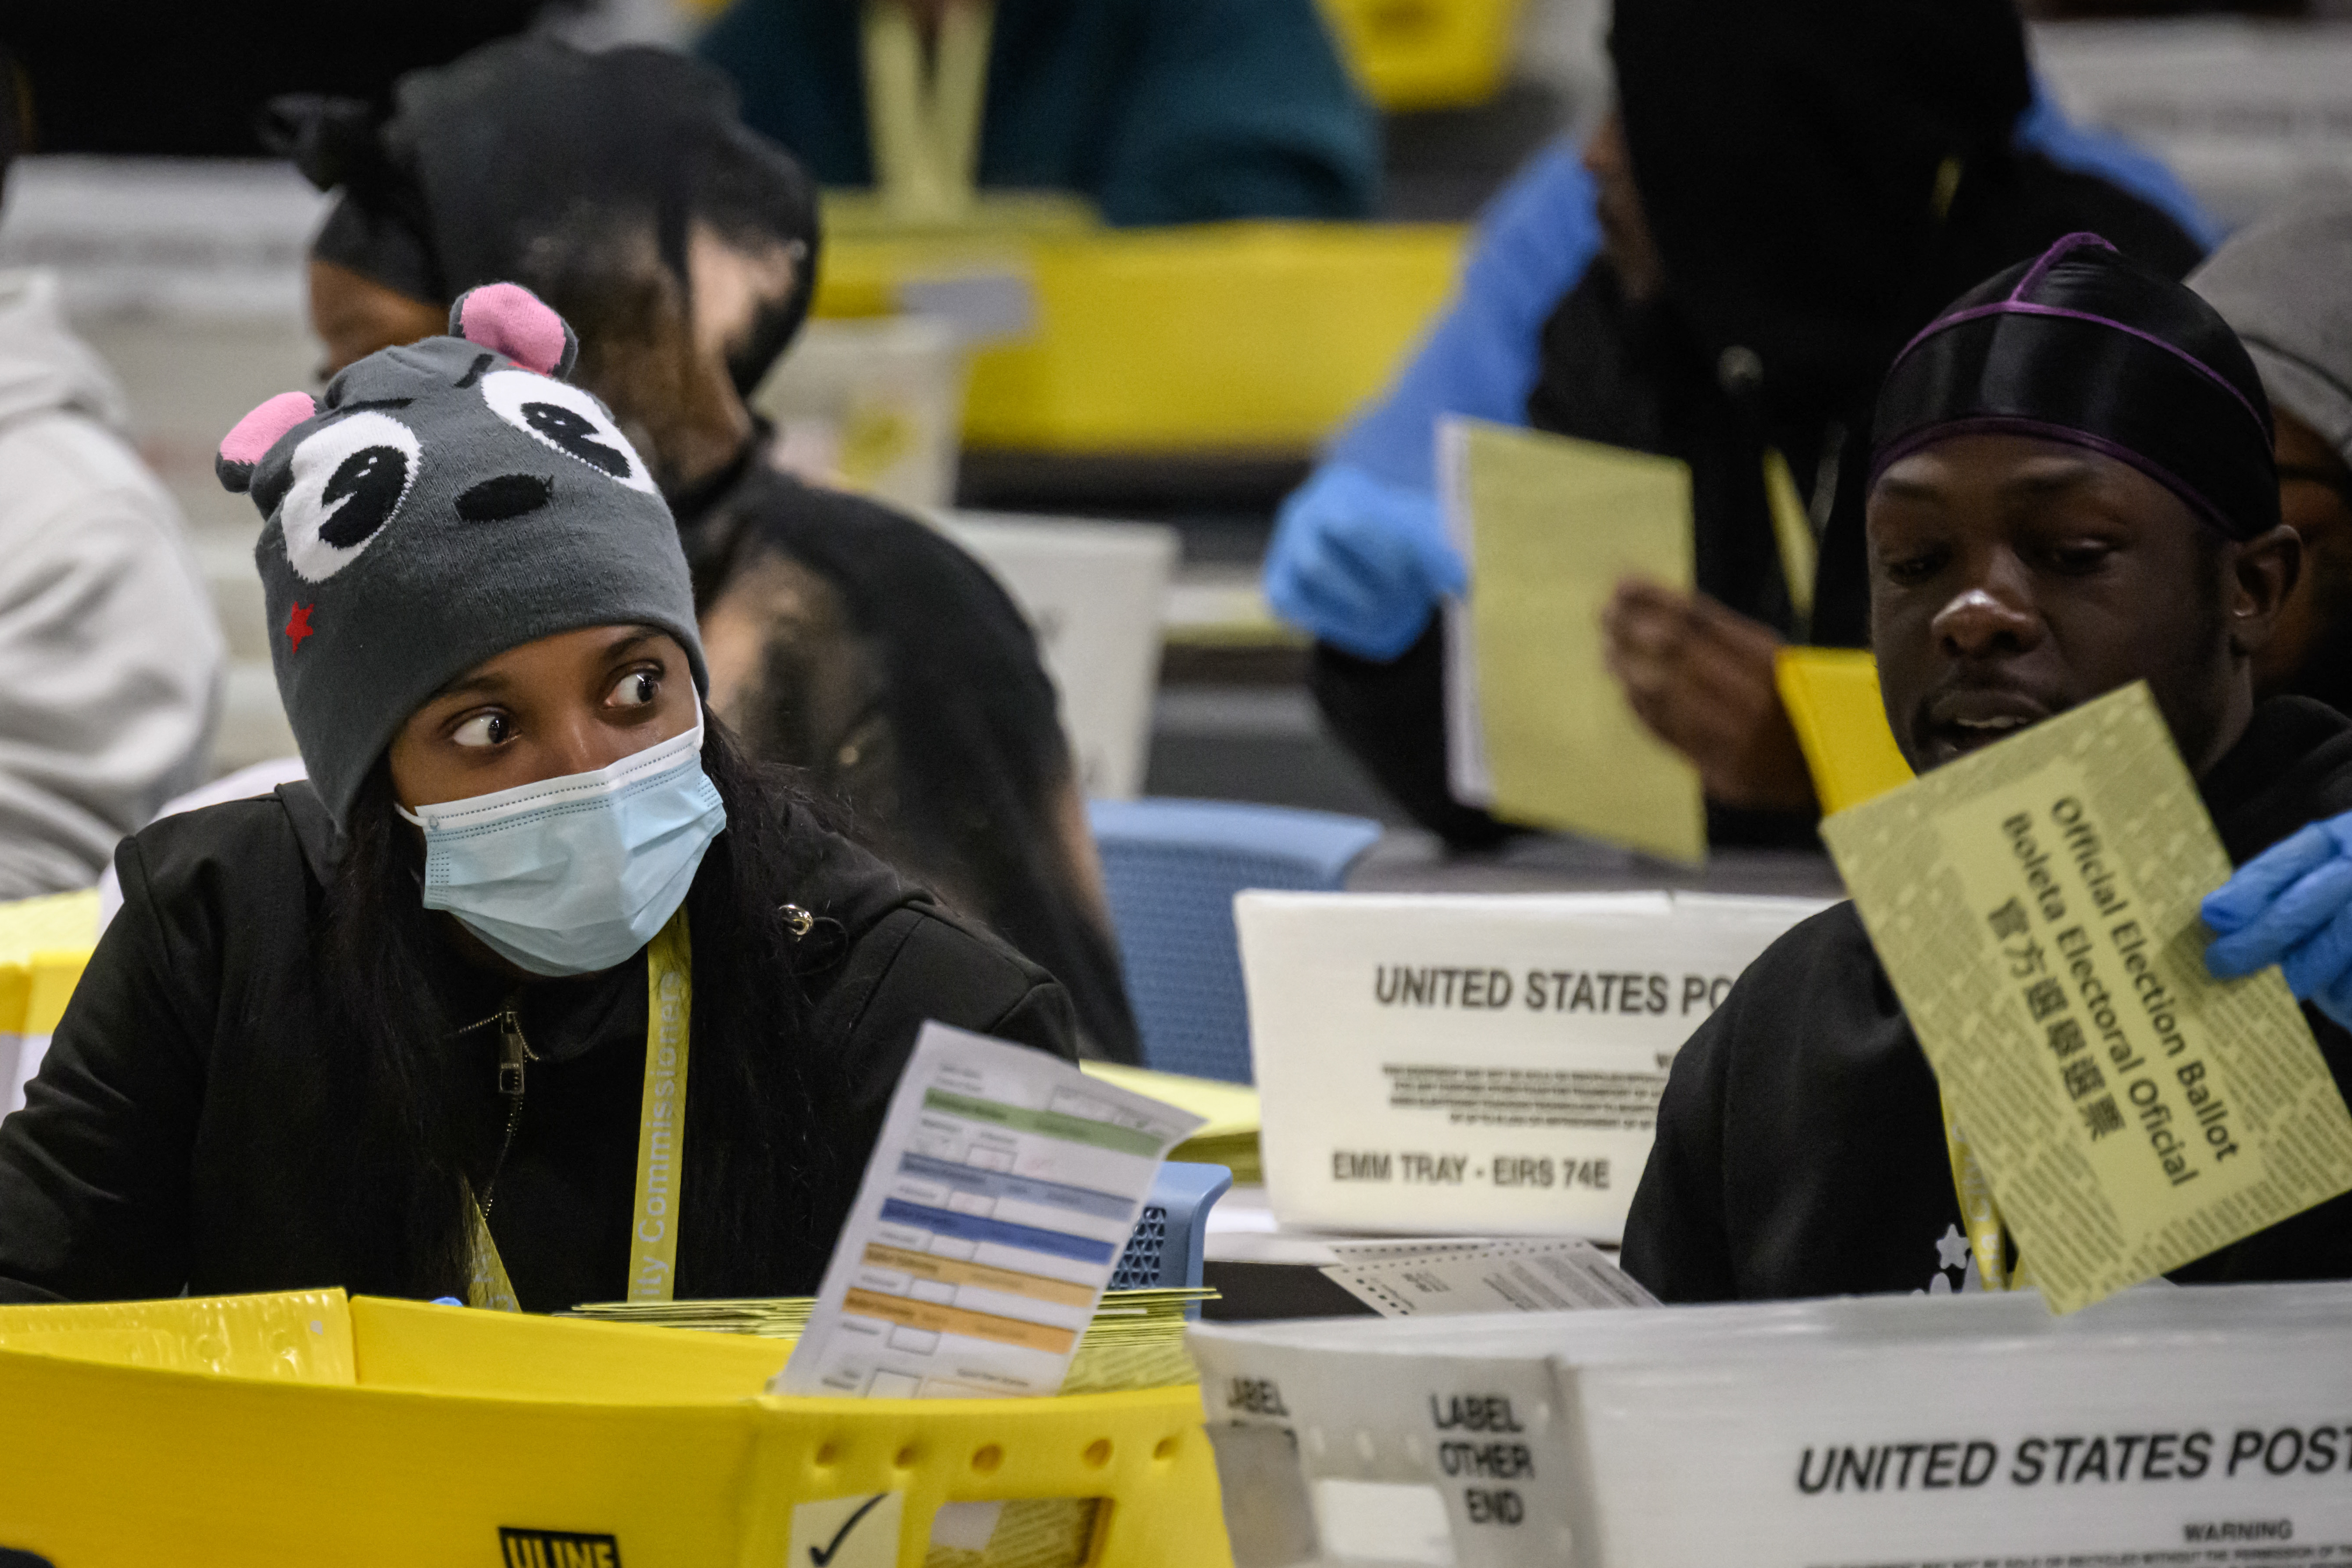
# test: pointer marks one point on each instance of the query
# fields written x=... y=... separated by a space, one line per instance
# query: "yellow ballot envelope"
x=1832 y=696
x=1538 y=728
x=2035 y=905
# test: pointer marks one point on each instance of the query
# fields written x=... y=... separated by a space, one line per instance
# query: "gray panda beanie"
x=446 y=501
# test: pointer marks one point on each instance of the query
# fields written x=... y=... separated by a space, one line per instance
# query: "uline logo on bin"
x=557 y=1549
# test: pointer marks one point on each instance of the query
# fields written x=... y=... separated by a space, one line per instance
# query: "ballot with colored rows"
x=997 y=1203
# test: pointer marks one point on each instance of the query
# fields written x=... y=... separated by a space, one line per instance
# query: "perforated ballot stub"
x=2035 y=905
x=1504 y=1274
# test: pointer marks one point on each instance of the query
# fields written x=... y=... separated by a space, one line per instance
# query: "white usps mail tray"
x=2195 y=1444
x=1477 y=1064
x=2195 y=1426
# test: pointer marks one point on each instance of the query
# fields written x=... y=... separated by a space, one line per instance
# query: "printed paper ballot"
x=1537 y=728
x=997 y=1202
x=1480 y=1065
x=2035 y=906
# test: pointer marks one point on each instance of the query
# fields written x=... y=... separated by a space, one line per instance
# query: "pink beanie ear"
x=510 y=320
x=249 y=440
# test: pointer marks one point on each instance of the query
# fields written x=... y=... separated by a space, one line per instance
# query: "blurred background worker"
x=1158 y=111
x=845 y=639
x=2285 y=285
x=136 y=76
x=113 y=654
x=1781 y=195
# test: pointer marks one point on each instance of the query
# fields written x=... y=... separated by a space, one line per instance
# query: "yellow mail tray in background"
x=1426 y=53
x=304 y=1428
x=44 y=944
x=1247 y=337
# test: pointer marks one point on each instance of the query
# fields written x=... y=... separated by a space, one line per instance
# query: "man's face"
x=2013 y=578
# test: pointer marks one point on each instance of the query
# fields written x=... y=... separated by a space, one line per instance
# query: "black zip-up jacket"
x=161 y=1146
x=1800 y=1144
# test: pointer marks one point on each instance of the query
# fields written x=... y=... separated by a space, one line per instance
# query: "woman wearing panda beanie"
x=392 y=1029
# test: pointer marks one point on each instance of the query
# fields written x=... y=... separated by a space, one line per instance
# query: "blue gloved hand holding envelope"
x=1360 y=563
x=2292 y=906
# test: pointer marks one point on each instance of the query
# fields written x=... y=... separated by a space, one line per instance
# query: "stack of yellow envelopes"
x=1229 y=1135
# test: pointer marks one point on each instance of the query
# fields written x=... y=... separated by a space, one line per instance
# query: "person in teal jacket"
x=1158 y=111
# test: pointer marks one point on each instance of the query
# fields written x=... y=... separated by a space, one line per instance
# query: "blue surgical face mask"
x=572 y=875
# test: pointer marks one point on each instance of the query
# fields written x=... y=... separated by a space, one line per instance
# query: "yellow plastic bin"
x=302 y=1428
x=44 y=944
x=1426 y=53
x=1212 y=338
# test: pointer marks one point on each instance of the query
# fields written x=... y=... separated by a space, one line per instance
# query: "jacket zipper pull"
x=513 y=1054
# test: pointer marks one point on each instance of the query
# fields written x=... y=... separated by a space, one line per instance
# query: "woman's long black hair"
x=417 y=1109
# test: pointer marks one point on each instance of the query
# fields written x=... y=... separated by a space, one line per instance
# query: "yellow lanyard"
x=924 y=127
x=1988 y=1239
x=661 y=1138
x=1792 y=533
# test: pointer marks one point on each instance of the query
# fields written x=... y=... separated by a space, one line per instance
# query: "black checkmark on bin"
x=820 y=1556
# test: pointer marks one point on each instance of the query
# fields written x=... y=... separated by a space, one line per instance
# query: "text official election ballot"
x=2035 y=905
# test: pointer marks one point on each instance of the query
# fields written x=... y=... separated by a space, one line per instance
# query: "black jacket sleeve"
x=1678 y=1236
x=94 y=1173
x=920 y=964
x=917 y=965
x=1391 y=718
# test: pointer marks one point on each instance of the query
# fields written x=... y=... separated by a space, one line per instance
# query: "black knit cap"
x=2086 y=346
x=1795 y=161
x=565 y=170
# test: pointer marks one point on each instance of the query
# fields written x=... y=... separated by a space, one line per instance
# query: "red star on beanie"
x=298 y=625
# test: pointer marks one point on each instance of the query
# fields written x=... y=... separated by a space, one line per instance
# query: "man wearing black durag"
x=845 y=638
x=2069 y=489
x=1788 y=192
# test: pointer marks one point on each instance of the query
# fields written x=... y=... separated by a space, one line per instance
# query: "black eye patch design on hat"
x=567 y=419
x=372 y=480
x=508 y=495
x=575 y=435
x=349 y=481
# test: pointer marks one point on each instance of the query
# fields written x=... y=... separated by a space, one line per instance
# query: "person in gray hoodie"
x=111 y=646
x=2285 y=285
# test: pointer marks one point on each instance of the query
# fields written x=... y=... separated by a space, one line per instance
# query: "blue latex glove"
x=1359 y=555
x=1359 y=563
x=1483 y=356
x=2292 y=906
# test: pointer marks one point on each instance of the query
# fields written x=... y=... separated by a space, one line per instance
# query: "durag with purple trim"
x=2085 y=346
